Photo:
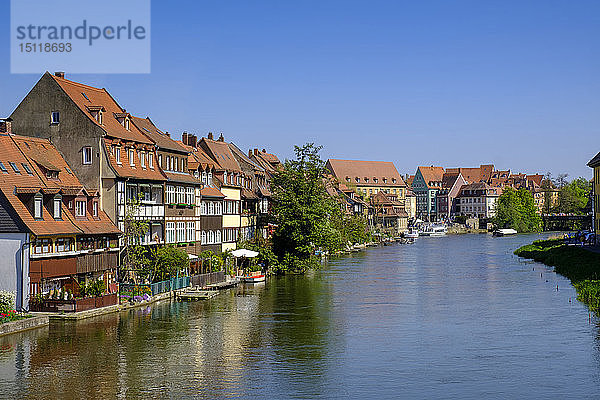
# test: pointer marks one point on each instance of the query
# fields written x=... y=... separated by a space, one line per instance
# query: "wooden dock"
x=196 y=295
x=223 y=285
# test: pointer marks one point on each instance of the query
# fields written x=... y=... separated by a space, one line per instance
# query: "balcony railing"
x=95 y=262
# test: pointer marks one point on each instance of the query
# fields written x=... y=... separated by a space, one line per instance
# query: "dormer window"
x=143 y=159
x=384 y=180
x=95 y=208
x=56 y=207
x=37 y=206
x=366 y=179
x=27 y=169
x=131 y=159
x=127 y=123
x=151 y=160
x=347 y=179
x=357 y=179
x=375 y=180
x=393 y=180
x=118 y=154
x=80 y=208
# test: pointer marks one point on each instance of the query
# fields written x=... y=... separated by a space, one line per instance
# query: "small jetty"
x=223 y=285
x=195 y=294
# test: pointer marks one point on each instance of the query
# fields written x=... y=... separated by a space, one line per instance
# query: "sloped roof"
x=16 y=149
x=431 y=174
x=221 y=153
x=594 y=162
x=84 y=96
x=125 y=170
x=211 y=192
x=182 y=177
x=360 y=169
x=162 y=140
x=448 y=179
x=477 y=174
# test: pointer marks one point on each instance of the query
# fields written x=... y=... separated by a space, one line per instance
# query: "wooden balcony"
x=96 y=262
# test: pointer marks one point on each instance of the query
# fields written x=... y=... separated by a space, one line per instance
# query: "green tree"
x=516 y=209
x=574 y=196
x=135 y=265
x=167 y=262
x=304 y=212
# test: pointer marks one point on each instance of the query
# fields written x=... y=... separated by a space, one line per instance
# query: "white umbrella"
x=244 y=253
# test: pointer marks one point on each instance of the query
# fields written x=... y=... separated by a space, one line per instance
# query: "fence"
x=208 y=279
x=155 y=288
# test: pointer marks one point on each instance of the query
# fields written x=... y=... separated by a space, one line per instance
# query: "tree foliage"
x=167 y=262
x=574 y=196
x=135 y=262
x=306 y=215
x=516 y=209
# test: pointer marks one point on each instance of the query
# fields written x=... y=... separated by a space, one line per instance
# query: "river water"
x=457 y=317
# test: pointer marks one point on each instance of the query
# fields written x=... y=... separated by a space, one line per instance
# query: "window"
x=170 y=194
x=143 y=159
x=170 y=232
x=37 y=206
x=100 y=118
x=14 y=167
x=131 y=160
x=64 y=245
x=181 y=231
x=151 y=160
x=203 y=208
x=211 y=236
x=210 y=179
x=95 y=208
x=180 y=195
x=42 y=246
x=171 y=168
x=127 y=123
x=160 y=160
x=189 y=195
x=87 y=155
x=211 y=208
x=203 y=238
x=182 y=165
x=204 y=177
x=27 y=169
x=3 y=168
x=57 y=207
x=218 y=238
x=80 y=208
x=191 y=231
x=55 y=117
x=218 y=208
x=225 y=177
x=118 y=154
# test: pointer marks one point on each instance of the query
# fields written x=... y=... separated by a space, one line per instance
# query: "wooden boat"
x=504 y=232
x=411 y=234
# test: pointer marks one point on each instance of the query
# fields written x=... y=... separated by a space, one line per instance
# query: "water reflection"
x=455 y=317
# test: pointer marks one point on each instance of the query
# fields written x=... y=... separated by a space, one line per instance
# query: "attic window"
x=55 y=117
x=87 y=155
x=100 y=118
x=27 y=169
x=68 y=171
x=127 y=123
x=375 y=180
x=85 y=95
x=347 y=179
x=366 y=179
x=3 y=168
x=357 y=179
x=14 y=167
x=393 y=180
x=131 y=160
x=56 y=206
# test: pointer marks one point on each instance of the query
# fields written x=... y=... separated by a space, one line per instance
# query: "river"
x=457 y=317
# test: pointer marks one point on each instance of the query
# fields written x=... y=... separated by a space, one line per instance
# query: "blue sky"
x=451 y=83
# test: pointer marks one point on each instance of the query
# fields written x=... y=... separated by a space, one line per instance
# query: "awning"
x=244 y=253
x=192 y=256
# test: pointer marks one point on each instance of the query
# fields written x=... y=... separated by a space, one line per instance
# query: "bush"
x=7 y=302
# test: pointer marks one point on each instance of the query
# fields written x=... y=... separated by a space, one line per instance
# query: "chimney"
x=6 y=125
x=221 y=138
x=250 y=153
x=255 y=152
x=192 y=140
x=168 y=134
x=184 y=137
x=210 y=136
x=60 y=74
x=264 y=151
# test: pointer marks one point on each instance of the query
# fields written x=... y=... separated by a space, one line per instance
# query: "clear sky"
x=450 y=83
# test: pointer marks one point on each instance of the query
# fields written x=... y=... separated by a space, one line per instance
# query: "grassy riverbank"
x=581 y=266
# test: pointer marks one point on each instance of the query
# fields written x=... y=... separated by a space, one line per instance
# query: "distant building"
x=446 y=196
x=410 y=204
x=368 y=178
x=389 y=213
x=595 y=164
x=426 y=184
x=478 y=200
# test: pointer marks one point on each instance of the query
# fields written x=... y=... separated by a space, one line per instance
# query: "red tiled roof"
x=182 y=177
x=431 y=174
x=125 y=170
x=353 y=169
x=221 y=154
x=84 y=96
x=19 y=187
x=211 y=192
x=162 y=140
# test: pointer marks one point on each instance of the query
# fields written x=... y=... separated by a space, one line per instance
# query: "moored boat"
x=252 y=278
x=504 y=232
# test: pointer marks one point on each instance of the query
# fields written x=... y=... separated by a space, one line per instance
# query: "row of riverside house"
x=441 y=194
x=595 y=164
x=71 y=147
